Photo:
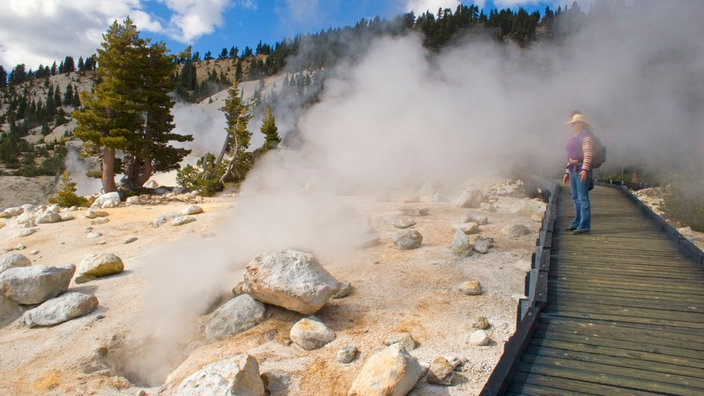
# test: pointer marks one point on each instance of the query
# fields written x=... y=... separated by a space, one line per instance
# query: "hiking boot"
x=577 y=232
x=570 y=228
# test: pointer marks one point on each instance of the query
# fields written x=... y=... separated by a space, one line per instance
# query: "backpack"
x=598 y=152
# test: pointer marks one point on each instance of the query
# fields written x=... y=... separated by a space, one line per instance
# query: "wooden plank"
x=647 y=295
x=649 y=335
x=580 y=282
x=538 y=384
x=628 y=302
x=622 y=358
x=638 y=320
x=608 y=375
x=635 y=344
x=629 y=312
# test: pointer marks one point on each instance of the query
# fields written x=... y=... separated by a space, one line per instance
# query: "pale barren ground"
x=393 y=291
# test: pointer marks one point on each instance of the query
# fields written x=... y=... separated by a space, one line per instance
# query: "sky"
x=39 y=32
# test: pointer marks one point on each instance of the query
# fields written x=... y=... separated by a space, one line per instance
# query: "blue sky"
x=37 y=32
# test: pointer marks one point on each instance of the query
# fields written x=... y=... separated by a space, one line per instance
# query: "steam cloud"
x=400 y=117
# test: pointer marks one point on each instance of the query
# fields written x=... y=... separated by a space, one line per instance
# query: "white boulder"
x=60 y=309
x=291 y=279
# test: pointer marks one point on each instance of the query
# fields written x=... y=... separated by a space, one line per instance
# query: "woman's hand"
x=565 y=178
x=583 y=176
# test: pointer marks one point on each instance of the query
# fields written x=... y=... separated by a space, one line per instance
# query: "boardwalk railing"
x=536 y=291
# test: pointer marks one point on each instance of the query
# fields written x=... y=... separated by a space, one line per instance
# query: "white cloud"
x=195 y=18
x=37 y=32
x=301 y=11
x=34 y=32
x=421 y=6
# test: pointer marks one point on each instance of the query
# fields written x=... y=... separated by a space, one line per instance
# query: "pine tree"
x=270 y=131
x=66 y=196
x=238 y=136
x=3 y=78
x=129 y=109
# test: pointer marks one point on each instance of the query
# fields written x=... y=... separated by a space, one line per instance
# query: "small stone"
x=403 y=222
x=471 y=288
x=94 y=235
x=479 y=338
x=130 y=240
x=20 y=247
x=67 y=216
x=34 y=252
x=467 y=228
x=310 y=333
x=181 y=220
x=405 y=339
x=481 y=323
x=516 y=230
x=408 y=239
x=474 y=218
x=92 y=214
x=413 y=211
x=344 y=290
x=482 y=246
x=441 y=372
x=191 y=210
x=98 y=221
x=347 y=354
x=270 y=335
x=27 y=232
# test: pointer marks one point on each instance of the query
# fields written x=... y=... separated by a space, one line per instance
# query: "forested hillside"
x=36 y=106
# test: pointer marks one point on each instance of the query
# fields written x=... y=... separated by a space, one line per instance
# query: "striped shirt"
x=579 y=152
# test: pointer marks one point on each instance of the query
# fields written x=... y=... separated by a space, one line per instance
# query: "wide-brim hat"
x=578 y=118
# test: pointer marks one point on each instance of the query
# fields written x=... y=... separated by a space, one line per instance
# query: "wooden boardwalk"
x=624 y=312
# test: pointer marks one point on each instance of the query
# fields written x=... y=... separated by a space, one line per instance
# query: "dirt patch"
x=393 y=291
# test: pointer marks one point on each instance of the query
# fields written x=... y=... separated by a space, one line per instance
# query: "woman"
x=579 y=172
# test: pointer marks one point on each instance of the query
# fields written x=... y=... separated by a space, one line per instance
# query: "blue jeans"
x=579 y=190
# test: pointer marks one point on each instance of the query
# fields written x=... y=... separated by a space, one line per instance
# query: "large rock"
x=109 y=200
x=9 y=311
x=461 y=246
x=191 y=210
x=28 y=219
x=407 y=239
x=238 y=375
x=96 y=265
x=310 y=333
x=390 y=372
x=35 y=284
x=60 y=309
x=235 y=316
x=290 y=279
x=48 y=217
x=12 y=260
x=470 y=199
x=11 y=212
x=165 y=218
